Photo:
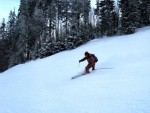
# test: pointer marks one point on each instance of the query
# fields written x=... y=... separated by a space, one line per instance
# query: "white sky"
x=7 y=5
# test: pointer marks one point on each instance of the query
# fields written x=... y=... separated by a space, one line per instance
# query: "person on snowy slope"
x=91 y=61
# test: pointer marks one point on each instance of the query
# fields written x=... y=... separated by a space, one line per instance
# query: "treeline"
x=45 y=27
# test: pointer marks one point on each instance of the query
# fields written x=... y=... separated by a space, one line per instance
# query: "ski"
x=79 y=75
x=76 y=76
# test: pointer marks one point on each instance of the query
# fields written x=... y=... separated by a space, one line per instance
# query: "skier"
x=92 y=59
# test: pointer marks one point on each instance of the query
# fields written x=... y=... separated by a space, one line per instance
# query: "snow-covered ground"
x=120 y=83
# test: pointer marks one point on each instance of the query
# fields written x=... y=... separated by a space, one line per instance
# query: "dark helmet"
x=86 y=53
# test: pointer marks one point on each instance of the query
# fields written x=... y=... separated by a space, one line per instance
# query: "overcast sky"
x=7 y=5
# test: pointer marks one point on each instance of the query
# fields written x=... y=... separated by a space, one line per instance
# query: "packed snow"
x=120 y=83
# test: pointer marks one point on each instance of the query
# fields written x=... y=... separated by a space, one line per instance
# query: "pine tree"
x=97 y=9
x=130 y=18
x=86 y=25
x=75 y=18
x=59 y=8
x=66 y=16
x=144 y=12
x=108 y=18
x=86 y=10
x=3 y=29
x=4 y=54
x=7 y=41
x=21 y=44
x=79 y=31
x=52 y=9
x=98 y=15
x=11 y=26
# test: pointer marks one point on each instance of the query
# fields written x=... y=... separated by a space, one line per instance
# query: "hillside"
x=120 y=83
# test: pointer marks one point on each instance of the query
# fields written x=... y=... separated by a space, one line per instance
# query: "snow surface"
x=120 y=83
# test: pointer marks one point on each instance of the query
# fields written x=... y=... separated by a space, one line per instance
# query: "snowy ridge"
x=119 y=85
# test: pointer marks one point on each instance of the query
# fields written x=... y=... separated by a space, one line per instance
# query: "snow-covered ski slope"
x=121 y=83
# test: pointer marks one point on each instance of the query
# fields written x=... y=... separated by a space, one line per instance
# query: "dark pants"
x=90 y=65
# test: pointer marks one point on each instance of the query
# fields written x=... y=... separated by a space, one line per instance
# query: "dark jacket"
x=89 y=58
